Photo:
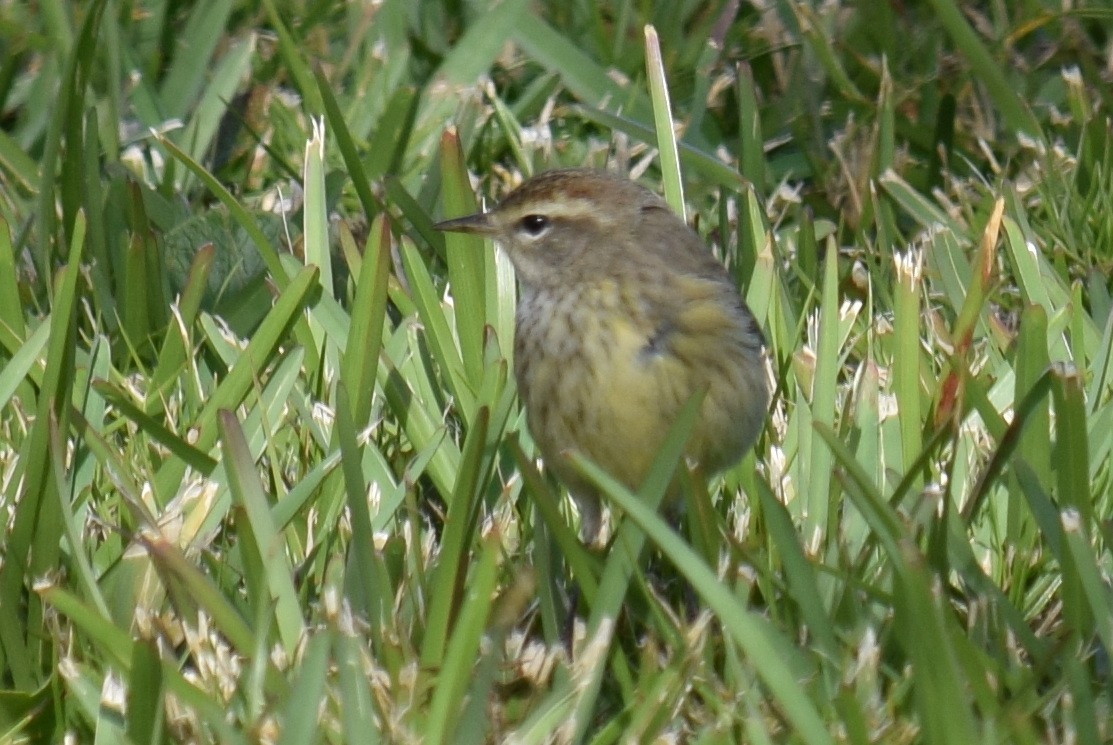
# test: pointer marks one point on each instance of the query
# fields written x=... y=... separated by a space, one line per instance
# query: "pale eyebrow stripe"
x=569 y=208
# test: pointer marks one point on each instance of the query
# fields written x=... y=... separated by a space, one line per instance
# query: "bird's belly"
x=587 y=395
x=588 y=385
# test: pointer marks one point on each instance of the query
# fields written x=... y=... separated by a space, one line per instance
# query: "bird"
x=623 y=316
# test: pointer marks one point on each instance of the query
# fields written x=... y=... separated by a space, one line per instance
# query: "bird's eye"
x=534 y=225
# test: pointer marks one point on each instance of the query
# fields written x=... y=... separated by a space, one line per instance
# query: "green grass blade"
x=662 y=121
x=291 y=53
x=185 y=77
x=463 y=646
x=301 y=714
x=247 y=491
x=231 y=390
x=453 y=562
x=368 y=314
x=772 y=655
x=467 y=260
x=1016 y=113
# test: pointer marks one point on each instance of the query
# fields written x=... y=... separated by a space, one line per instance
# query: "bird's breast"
x=580 y=373
x=600 y=373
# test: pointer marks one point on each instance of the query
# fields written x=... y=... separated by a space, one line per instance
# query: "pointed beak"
x=479 y=223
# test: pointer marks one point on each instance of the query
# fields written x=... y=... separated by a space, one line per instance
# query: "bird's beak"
x=478 y=223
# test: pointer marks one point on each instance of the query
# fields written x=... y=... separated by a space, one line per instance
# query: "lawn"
x=264 y=476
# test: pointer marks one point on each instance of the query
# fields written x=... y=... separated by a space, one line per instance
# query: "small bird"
x=623 y=315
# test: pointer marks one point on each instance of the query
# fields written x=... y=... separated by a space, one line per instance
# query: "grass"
x=263 y=470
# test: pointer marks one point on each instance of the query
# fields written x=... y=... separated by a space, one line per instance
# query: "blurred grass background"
x=263 y=474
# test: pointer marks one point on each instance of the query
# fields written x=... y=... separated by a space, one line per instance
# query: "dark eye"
x=534 y=225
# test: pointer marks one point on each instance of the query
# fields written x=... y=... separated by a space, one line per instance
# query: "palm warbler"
x=623 y=316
